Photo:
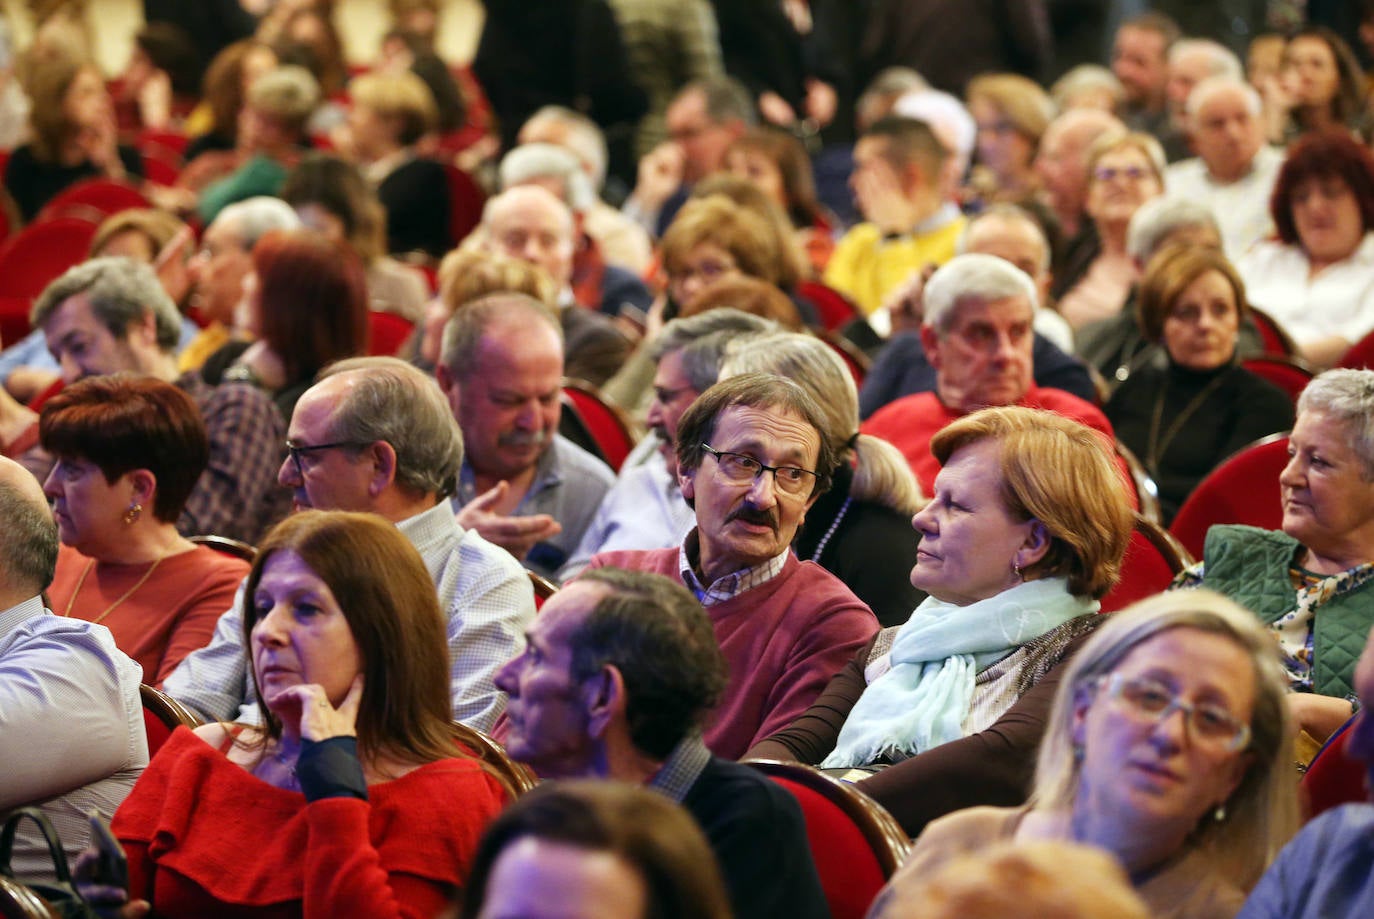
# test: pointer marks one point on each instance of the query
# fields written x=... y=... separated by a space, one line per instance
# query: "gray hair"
x=464 y=331
x=1005 y=210
x=252 y=218
x=393 y=401
x=585 y=138
x=289 y=92
x=548 y=161
x=1348 y=397
x=703 y=340
x=940 y=110
x=1261 y=813
x=120 y=290
x=1159 y=217
x=1085 y=78
x=882 y=474
x=1221 y=60
x=1209 y=87
x=975 y=276
x=28 y=540
x=726 y=98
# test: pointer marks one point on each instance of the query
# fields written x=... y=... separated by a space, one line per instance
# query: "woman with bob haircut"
x=1024 y=534
x=1168 y=746
x=604 y=849
x=1124 y=172
x=1183 y=417
x=305 y=304
x=712 y=238
x=362 y=802
x=1312 y=581
x=1317 y=278
x=331 y=197
x=74 y=136
x=1012 y=113
x=129 y=451
x=860 y=529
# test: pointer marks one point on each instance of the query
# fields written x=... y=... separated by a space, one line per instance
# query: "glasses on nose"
x=1108 y=173
x=1151 y=701
x=743 y=469
x=295 y=451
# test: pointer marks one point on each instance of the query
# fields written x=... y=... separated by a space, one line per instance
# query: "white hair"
x=528 y=162
x=975 y=276
x=945 y=114
x=1157 y=218
x=1221 y=60
x=1209 y=87
x=252 y=218
x=584 y=138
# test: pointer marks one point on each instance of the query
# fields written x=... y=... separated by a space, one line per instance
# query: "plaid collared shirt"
x=729 y=586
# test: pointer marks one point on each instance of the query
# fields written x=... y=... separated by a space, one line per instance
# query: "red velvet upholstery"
x=1360 y=355
x=30 y=260
x=835 y=308
x=1243 y=489
x=1292 y=376
x=386 y=332
x=607 y=425
x=1276 y=340
x=104 y=195
x=1152 y=559
x=856 y=844
x=1334 y=778
x=465 y=201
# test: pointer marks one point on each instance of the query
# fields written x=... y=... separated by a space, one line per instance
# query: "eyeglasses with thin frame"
x=1152 y=701
x=295 y=451
x=1134 y=173
x=743 y=469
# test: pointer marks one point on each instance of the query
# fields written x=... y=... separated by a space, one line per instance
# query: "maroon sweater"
x=782 y=640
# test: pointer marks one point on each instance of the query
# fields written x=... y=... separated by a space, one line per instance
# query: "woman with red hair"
x=305 y=306
x=1317 y=278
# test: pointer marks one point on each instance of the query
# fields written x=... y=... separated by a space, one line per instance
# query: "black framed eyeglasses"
x=295 y=451
x=743 y=469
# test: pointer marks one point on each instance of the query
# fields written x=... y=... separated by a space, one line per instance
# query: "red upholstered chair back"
x=1360 y=355
x=162 y=715
x=1144 y=493
x=835 y=308
x=1243 y=489
x=1276 y=339
x=1334 y=777
x=386 y=332
x=104 y=195
x=856 y=844
x=1287 y=373
x=32 y=258
x=1152 y=559
x=606 y=423
x=465 y=201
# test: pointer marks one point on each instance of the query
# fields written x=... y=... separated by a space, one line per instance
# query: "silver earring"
x=1016 y=570
x=1219 y=815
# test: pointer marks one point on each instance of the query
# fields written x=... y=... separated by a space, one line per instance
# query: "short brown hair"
x=122 y=422
x=402 y=96
x=1170 y=273
x=387 y=597
x=719 y=221
x=1062 y=474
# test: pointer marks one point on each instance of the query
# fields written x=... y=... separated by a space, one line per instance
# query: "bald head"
x=28 y=540
x=1062 y=160
x=530 y=223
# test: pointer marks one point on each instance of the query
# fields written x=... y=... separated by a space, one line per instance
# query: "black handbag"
x=61 y=895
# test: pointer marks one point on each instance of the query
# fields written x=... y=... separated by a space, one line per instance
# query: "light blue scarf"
x=923 y=699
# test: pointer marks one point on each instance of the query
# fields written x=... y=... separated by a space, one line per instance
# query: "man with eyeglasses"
x=375 y=435
x=644 y=508
x=752 y=459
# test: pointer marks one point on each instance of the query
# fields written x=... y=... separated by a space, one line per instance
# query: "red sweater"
x=910 y=422
x=782 y=640
x=206 y=838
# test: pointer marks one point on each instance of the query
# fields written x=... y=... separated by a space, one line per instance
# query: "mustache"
x=523 y=438
x=750 y=514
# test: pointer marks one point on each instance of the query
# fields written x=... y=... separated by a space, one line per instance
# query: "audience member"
x=1317 y=278
x=898 y=167
x=1012 y=113
x=62 y=681
x=522 y=485
x=1234 y=170
x=1193 y=807
x=375 y=436
x=1323 y=559
x=1191 y=61
x=1140 y=60
x=621 y=670
x=214 y=125
x=778 y=164
x=467 y=276
x=594 y=849
x=362 y=802
x=1024 y=535
x=976 y=333
x=1062 y=162
x=1183 y=418
x=109 y=315
x=860 y=528
x=1087 y=86
x=129 y=450
x=784 y=626
x=1323 y=86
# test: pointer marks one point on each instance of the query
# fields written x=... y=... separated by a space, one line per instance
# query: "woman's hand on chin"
x=318 y=719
